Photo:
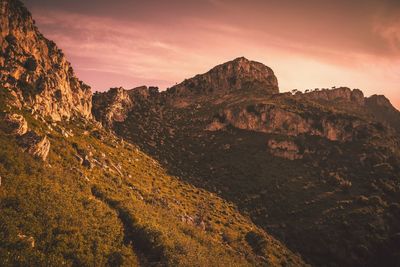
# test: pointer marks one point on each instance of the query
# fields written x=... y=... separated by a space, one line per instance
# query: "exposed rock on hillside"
x=127 y=211
x=16 y=124
x=233 y=139
x=38 y=146
x=114 y=105
x=36 y=70
x=381 y=108
x=239 y=74
x=272 y=119
x=284 y=149
x=343 y=94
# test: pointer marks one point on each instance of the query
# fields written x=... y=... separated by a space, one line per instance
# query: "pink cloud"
x=108 y=52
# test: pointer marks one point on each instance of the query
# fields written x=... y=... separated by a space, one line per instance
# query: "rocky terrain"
x=219 y=170
x=320 y=170
x=35 y=70
x=239 y=74
x=72 y=193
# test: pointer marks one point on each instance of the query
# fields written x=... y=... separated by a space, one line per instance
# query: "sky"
x=308 y=44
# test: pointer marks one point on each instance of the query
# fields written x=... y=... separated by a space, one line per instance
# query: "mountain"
x=383 y=110
x=319 y=170
x=73 y=193
x=238 y=74
x=219 y=170
x=35 y=70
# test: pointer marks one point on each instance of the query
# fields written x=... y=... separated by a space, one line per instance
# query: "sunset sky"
x=309 y=44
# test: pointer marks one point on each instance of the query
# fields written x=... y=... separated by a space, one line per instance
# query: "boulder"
x=38 y=146
x=16 y=124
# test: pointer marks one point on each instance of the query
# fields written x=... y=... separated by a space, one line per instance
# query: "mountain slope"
x=383 y=110
x=318 y=170
x=74 y=194
x=96 y=196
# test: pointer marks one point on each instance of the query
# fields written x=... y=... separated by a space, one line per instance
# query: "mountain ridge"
x=200 y=174
x=285 y=156
x=72 y=193
x=36 y=71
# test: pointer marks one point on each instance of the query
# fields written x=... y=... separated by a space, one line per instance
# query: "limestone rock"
x=343 y=94
x=239 y=74
x=114 y=105
x=16 y=124
x=36 y=70
x=273 y=119
x=381 y=108
x=38 y=146
x=28 y=240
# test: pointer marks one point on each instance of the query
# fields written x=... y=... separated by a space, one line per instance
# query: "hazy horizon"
x=313 y=44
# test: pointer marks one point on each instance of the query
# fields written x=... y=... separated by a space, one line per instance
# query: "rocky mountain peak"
x=35 y=71
x=380 y=101
x=381 y=108
x=238 y=74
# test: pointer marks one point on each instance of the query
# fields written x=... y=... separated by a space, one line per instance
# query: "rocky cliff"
x=238 y=74
x=35 y=70
x=342 y=94
x=310 y=156
x=115 y=104
x=381 y=108
x=271 y=118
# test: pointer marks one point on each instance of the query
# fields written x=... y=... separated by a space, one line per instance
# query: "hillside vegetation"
x=117 y=207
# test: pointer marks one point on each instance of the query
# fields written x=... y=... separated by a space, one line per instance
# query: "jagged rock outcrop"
x=34 y=144
x=16 y=124
x=381 y=108
x=36 y=70
x=342 y=94
x=115 y=104
x=112 y=105
x=239 y=74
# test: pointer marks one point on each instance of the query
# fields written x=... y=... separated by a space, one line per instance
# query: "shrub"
x=256 y=241
x=31 y=64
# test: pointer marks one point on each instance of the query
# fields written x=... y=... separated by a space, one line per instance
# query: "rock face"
x=38 y=146
x=16 y=124
x=230 y=138
x=272 y=119
x=343 y=94
x=239 y=74
x=114 y=105
x=36 y=70
x=381 y=108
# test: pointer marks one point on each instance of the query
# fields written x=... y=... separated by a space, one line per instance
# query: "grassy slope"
x=125 y=211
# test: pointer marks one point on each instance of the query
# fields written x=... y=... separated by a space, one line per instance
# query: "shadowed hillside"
x=73 y=194
x=319 y=170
